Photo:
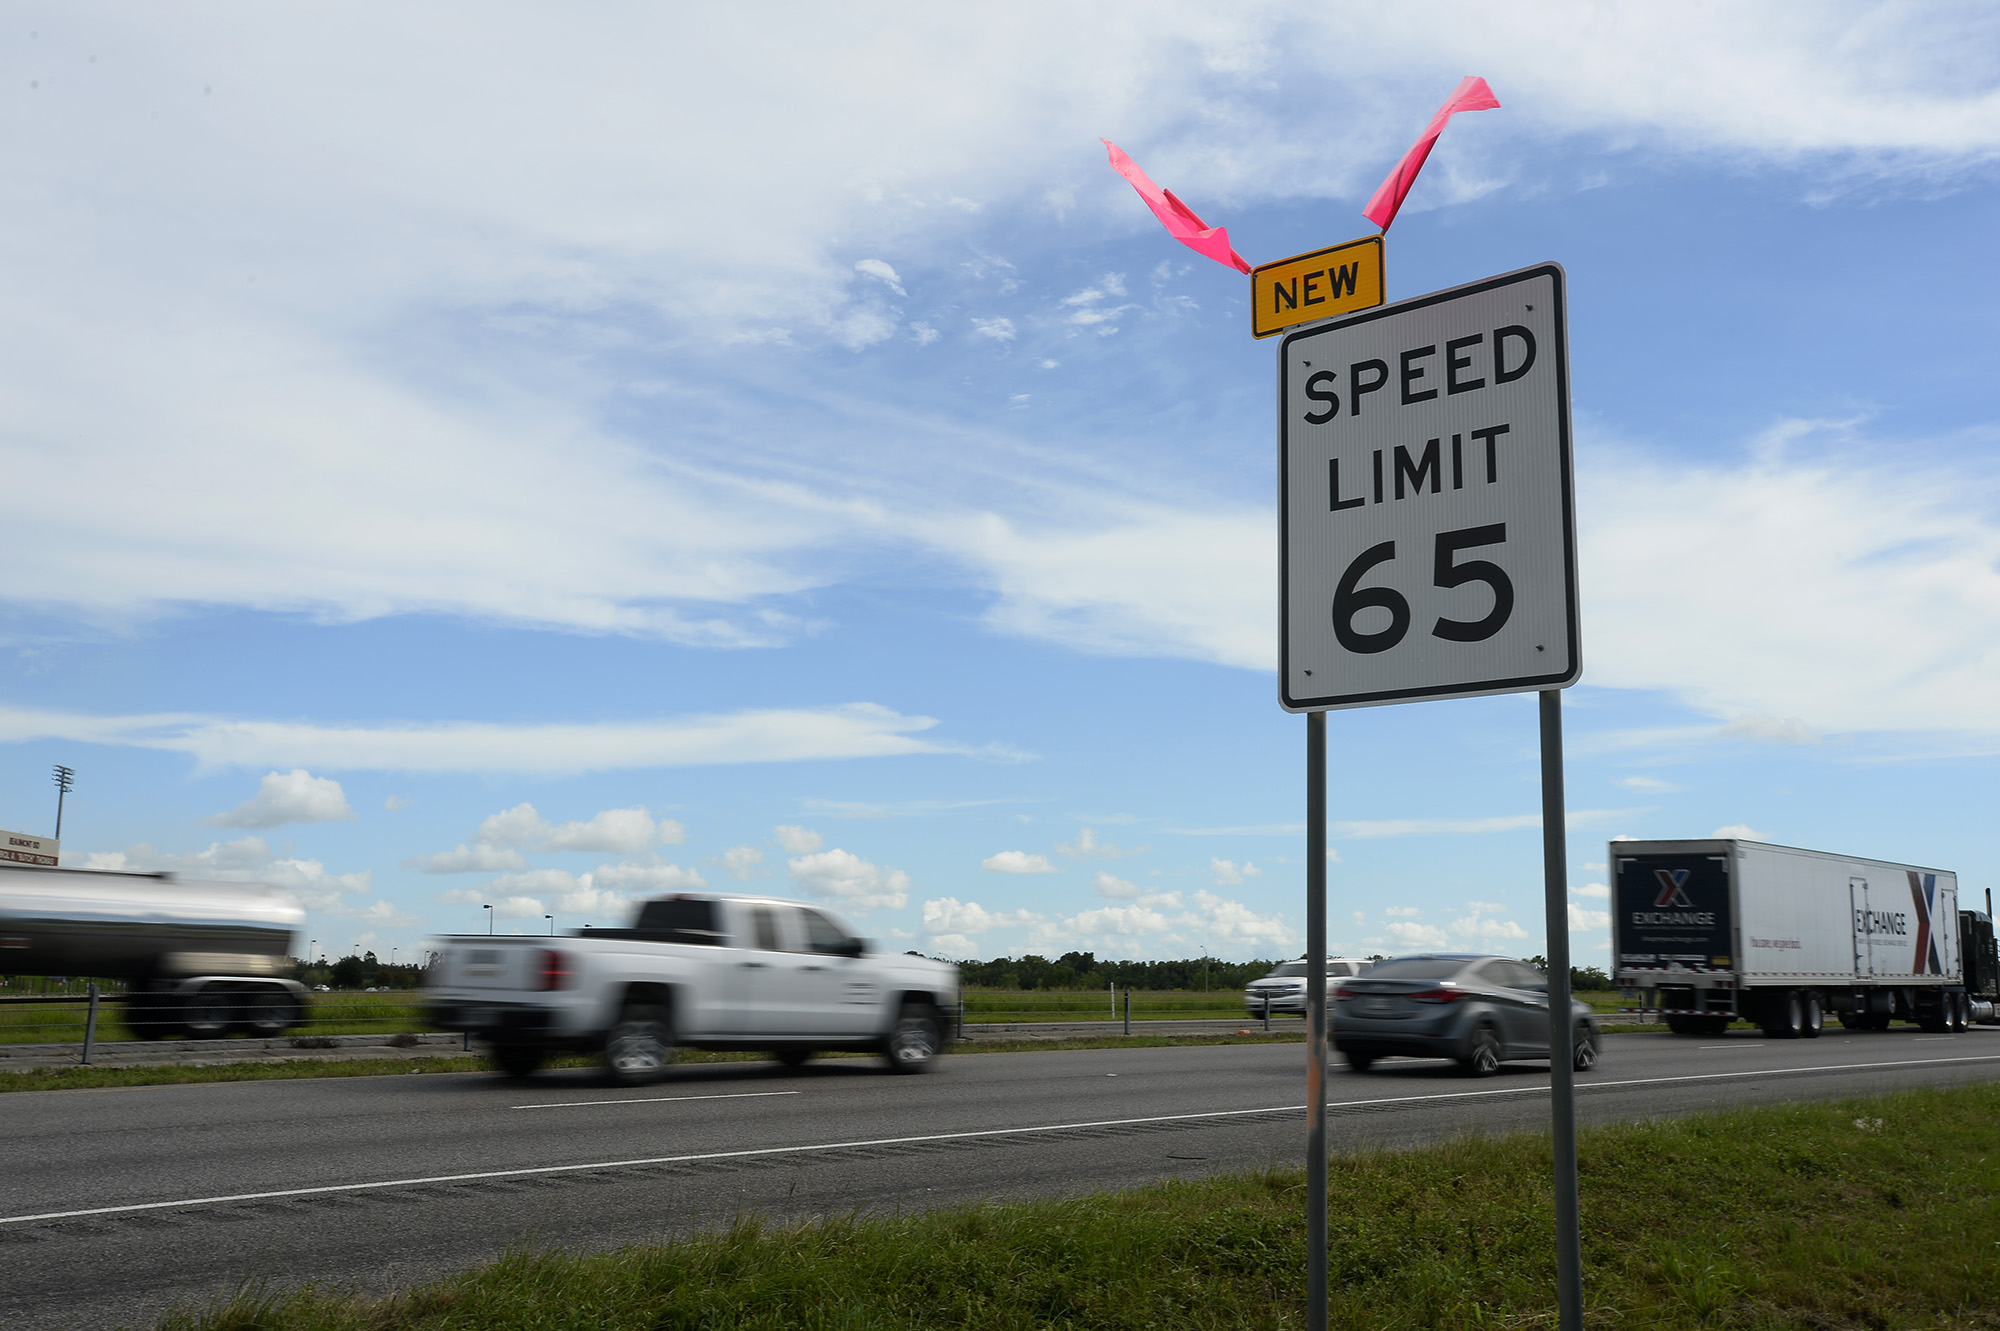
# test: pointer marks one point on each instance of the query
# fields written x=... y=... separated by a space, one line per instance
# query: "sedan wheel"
x=1583 y=1049
x=639 y=1048
x=915 y=1040
x=1482 y=1055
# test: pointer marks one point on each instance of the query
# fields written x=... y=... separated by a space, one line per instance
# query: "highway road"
x=117 y=1204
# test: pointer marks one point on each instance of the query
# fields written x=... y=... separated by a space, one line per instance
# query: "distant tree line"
x=358 y=972
x=1083 y=970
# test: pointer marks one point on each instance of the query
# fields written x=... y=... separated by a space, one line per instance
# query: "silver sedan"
x=1481 y=1011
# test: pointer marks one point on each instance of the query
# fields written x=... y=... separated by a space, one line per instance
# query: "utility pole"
x=65 y=778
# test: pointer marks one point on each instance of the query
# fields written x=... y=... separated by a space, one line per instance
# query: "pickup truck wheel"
x=520 y=1060
x=639 y=1048
x=795 y=1058
x=915 y=1040
x=1583 y=1048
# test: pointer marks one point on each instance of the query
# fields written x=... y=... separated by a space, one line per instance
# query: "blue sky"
x=496 y=455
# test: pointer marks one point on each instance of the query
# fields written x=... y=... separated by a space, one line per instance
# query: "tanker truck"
x=199 y=958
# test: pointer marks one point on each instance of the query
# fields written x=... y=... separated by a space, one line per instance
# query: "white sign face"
x=1427 y=530
x=22 y=848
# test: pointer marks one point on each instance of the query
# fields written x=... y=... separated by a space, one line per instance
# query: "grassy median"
x=1877 y=1213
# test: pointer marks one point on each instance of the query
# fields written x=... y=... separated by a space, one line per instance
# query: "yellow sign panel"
x=1316 y=286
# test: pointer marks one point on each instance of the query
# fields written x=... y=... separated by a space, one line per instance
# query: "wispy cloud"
x=859 y=730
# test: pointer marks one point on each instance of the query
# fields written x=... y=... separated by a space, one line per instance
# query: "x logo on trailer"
x=1673 y=890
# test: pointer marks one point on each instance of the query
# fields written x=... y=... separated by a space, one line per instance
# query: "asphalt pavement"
x=116 y=1205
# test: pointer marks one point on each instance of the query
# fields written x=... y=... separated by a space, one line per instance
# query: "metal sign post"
x=1427 y=542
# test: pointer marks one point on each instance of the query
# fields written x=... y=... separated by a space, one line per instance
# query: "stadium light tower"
x=65 y=778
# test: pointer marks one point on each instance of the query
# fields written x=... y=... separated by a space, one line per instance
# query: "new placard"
x=1313 y=286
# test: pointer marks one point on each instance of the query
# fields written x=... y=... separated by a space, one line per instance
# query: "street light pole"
x=552 y=924
x=489 y=920
x=65 y=778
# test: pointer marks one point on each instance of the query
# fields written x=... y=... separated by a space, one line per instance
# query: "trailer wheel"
x=1711 y=1025
x=1784 y=1017
x=267 y=1012
x=206 y=1015
x=1815 y=1019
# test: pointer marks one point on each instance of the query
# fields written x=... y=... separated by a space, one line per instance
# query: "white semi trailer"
x=199 y=958
x=1708 y=932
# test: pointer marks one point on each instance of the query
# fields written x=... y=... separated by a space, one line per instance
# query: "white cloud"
x=518 y=826
x=296 y=796
x=858 y=730
x=924 y=333
x=539 y=892
x=1649 y=784
x=1581 y=919
x=950 y=916
x=1594 y=890
x=1855 y=594
x=851 y=880
x=395 y=804
x=1017 y=861
x=153 y=343
x=1408 y=934
x=1118 y=889
x=1233 y=924
x=954 y=945
x=482 y=858
x=796 y=840
x=616 y=831
x=1479 y=926
x=882 y=273
x=613 y=831
x=740 y=862
x=1403 y=912
x=1000 y=330
x=1227 y=873
x=648 y=879
x=1088 y=847
x=1738 y=832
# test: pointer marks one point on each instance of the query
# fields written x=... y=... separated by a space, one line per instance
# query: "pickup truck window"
x=823 y=935
x=680 y=920
x=764 y=928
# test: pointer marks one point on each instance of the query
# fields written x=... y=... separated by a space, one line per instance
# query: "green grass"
x=982 y=1004
x=1877 y=1214
x=326 y=1014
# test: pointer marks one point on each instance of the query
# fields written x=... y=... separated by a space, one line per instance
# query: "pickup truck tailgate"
x=502 y=964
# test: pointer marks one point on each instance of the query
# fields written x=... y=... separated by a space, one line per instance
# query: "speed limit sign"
x=1427 y=528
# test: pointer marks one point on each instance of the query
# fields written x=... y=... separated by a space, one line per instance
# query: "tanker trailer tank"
x=199 y=958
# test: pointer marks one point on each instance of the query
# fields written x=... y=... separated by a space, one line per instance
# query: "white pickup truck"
x=704 y=971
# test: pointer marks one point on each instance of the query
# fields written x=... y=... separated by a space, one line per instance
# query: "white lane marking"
x=821 y=1147
x=654 y=1100
x=1729 y=1046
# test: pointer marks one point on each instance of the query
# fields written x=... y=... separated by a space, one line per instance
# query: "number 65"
x=1349 y=599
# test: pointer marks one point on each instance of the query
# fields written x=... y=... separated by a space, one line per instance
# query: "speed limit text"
x=1408 y=473
x=1462 y=365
